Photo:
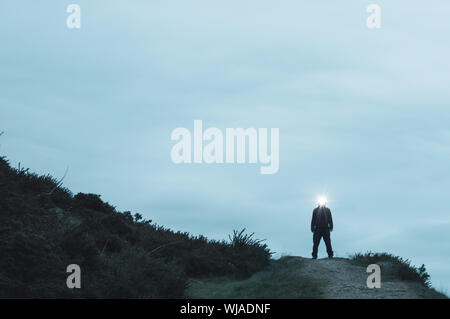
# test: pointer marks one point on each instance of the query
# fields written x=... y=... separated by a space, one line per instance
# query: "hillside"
x=44 y=228
x=298 y=277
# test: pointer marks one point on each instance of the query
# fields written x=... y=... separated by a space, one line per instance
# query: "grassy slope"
x=280 y=280
x=395 y=268
x=289 y=277
x=44 y=228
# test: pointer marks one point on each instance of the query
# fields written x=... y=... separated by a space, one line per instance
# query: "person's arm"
x=313 y=221
x=330 y=221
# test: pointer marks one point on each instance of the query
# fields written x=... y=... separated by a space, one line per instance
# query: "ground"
x=298 y=277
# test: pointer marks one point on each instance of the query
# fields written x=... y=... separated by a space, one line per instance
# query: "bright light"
x=322 y=200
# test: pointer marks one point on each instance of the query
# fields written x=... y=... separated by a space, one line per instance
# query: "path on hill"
x=347 y=281
x=299 y=277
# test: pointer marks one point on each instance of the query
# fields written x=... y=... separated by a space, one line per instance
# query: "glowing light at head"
x=322 y=200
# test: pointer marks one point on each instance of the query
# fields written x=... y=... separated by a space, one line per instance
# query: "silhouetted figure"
x=321 y=226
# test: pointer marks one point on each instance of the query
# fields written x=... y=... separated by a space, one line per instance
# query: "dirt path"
x=293 y=277
x=345 y=280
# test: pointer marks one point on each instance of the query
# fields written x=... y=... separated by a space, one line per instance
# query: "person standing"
x=321 y=226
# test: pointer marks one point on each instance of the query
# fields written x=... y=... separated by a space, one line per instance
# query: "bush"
x=134 y=273
x=43 y=229
x=401 y=268
x=250 y=255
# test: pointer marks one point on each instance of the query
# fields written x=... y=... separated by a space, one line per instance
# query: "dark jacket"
x=321 y=219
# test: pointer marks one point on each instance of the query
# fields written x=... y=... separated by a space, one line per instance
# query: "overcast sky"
x=363 y=114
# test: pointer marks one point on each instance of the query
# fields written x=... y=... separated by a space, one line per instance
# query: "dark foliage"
x=399 y=267
x=44 y=228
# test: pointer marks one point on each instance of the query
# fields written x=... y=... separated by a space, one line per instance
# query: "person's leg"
x=316 y=240
x=327 y=240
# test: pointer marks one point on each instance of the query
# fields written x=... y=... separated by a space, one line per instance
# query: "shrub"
x=250 y=255
x=401 y=268
x=43 y=228
x=134 y=273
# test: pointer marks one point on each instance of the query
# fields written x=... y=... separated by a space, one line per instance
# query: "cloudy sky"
x=363 y=114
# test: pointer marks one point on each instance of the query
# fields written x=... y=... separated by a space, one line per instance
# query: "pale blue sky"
x=363 y=114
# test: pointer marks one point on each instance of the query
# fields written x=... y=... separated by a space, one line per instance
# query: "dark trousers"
x=318 y=234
